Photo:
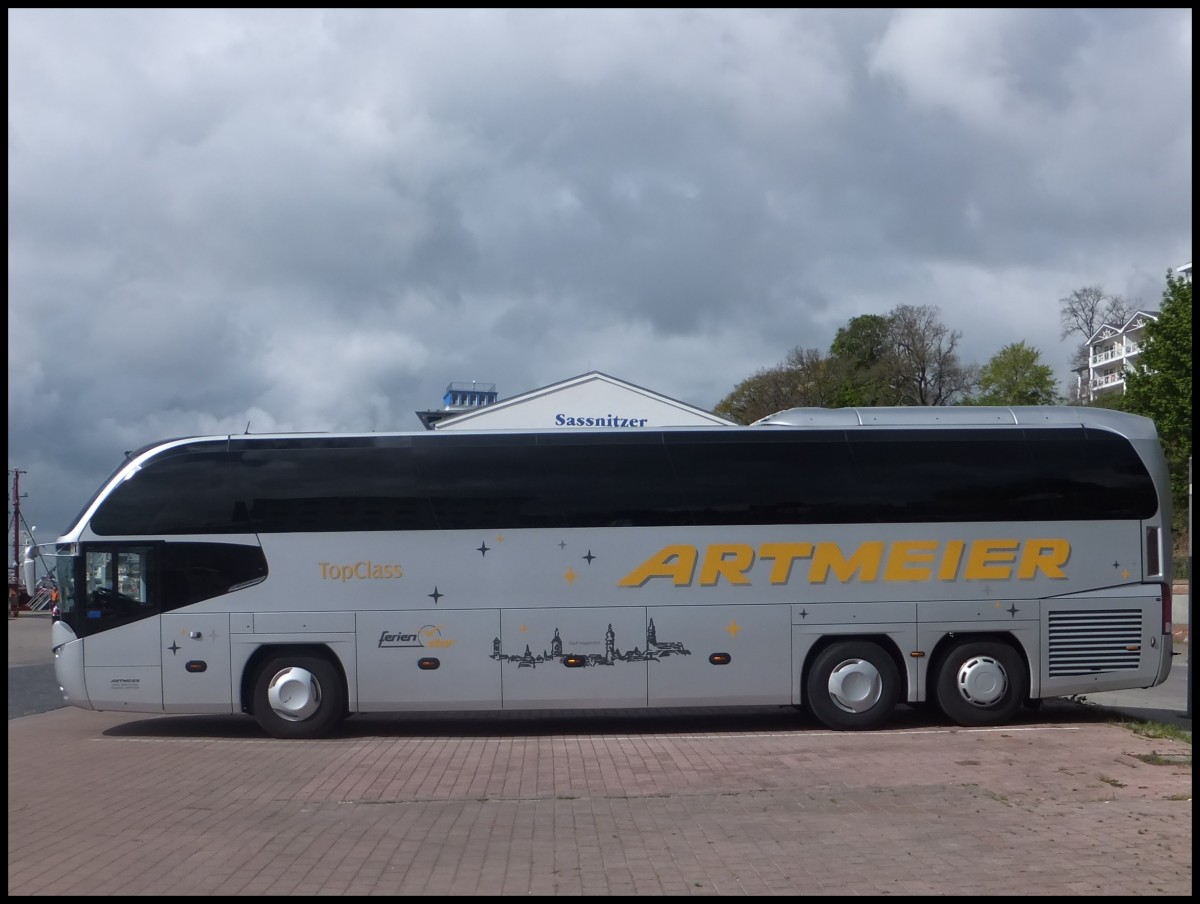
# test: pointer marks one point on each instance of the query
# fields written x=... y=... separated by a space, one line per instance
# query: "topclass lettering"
x=999 y=559
x=361 y=571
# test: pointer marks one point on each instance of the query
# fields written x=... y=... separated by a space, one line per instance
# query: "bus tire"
x=298 y=696
x=853 y=685
x=981 y=683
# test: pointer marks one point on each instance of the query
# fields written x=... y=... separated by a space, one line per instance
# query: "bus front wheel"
x=853 y=686
x=981 y=683
x=298 y=696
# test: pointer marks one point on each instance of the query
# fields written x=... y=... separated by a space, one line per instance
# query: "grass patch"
x=1154 y=758
x=1157 y=730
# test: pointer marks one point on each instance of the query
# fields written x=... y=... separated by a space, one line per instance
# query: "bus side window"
x=99 y=576
x=133 y=567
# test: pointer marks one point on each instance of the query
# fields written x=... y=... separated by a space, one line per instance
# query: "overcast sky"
x=317 y=219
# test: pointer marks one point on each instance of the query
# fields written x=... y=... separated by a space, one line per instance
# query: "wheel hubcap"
x=294 y=694
x=855 y=685
x=982 y=681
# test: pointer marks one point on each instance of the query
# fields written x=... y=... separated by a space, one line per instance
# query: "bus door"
x=121 y=663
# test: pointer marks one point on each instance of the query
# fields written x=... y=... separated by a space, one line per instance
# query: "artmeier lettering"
x=1001 y=559
x=365 y=570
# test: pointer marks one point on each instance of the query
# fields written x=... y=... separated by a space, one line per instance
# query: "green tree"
x=763 y=393
x=1016 y=376
x=860 y=350
x=1114 y=401
x=1160 y=384
x=817 y=378
x=807 y=378
x=907 y=357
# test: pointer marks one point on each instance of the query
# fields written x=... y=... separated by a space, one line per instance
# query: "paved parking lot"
x=729 y=802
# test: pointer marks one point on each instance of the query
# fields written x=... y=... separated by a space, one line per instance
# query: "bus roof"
x=1131 y=425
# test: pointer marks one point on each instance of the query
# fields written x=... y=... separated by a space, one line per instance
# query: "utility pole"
x=16 y=595
x=14 y=578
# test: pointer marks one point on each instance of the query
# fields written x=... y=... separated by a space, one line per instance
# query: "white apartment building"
x=1112 y=350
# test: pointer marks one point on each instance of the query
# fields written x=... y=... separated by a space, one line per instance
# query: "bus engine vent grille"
x=1086 y=642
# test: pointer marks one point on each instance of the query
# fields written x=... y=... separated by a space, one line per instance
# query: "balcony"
x=1118 y=351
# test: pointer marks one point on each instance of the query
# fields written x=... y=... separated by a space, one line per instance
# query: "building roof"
x=591 y=396
x=1108 y=330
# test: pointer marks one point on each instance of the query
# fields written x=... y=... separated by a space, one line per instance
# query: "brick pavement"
x=757 y=802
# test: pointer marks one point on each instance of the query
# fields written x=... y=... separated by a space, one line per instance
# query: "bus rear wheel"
x=981 y=683
x=853 y=686
x=298 y=696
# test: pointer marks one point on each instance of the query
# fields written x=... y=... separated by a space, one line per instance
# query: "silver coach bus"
x=843 y=561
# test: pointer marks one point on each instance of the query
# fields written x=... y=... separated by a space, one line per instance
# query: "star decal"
x=174 y=647
x=589 y=557
x=483 y=549
x=804 y=613
x=1012 y=610
x=562 y=544
x=435 y=596
x=570 y=576
x=733 y=628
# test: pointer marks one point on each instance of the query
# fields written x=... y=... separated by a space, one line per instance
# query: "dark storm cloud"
x=316 y=219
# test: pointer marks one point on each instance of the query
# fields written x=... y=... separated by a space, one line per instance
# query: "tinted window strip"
x=511 y=482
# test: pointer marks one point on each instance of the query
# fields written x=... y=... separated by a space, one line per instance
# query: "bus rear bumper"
x=1164 y=665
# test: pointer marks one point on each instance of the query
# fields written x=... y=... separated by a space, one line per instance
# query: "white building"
x=1112 y=351
x=591 y=401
